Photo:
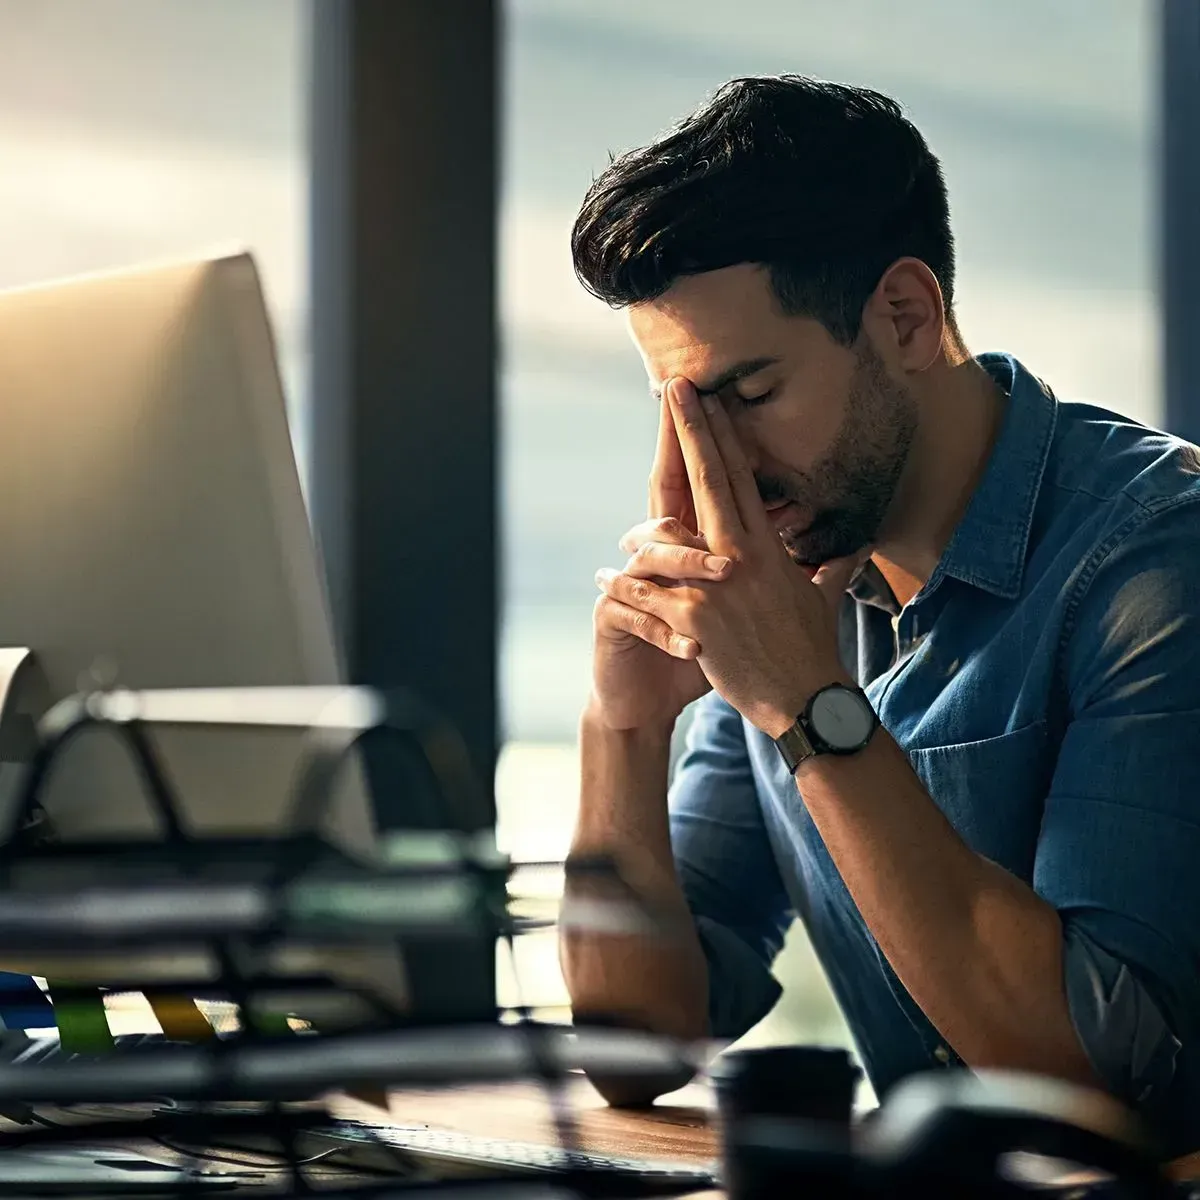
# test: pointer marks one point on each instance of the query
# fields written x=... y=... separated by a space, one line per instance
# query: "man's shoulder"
x=1120 y=510
x=1115 y=462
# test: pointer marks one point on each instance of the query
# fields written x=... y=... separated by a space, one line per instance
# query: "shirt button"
x=942 y=1055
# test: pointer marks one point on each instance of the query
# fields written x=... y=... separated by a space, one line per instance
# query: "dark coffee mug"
x=804 y=1097
x=815 y=1083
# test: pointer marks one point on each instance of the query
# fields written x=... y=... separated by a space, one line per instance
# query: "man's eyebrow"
x=741 y=370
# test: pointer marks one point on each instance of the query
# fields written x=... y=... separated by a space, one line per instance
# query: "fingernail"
x=604 y=575
x=709 y=402
x=716 y=563
x=686 y=645
x=684 y=395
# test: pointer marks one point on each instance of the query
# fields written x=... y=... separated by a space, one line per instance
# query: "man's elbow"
x=639 y=1091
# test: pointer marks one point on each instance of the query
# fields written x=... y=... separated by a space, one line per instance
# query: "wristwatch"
x=838 y=720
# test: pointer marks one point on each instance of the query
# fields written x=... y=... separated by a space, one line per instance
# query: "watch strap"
x=795 y=746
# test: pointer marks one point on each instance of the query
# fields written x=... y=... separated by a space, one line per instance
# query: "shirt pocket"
x=993 y=792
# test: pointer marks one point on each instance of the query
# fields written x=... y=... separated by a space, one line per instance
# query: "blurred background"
x=139 y=129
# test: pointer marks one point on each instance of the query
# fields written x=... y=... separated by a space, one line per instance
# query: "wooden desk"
x=676 y=1129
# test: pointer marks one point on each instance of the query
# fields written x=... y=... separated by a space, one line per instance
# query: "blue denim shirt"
x=1045 y=684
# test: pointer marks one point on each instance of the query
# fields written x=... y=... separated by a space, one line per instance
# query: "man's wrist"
x=781 y=714
x=593 y=719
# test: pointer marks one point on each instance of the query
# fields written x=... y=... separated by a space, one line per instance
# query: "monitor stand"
x=24 y=697
x=16 y=662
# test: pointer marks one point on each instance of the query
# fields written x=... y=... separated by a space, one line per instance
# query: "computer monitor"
x=153 y=534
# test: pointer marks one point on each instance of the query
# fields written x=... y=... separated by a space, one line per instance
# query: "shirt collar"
x=987 y=549
x=989 y=545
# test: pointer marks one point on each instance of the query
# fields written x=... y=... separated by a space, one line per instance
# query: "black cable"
x=94 y=1131
x=286 y=1132
x=213 y=1156
x=320 y=1124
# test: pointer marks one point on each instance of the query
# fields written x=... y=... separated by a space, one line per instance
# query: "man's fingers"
x=835 y=577
x=678 y=607
x=737 y=467
x=660 y=529
x=670 y=491
x=642 y=594
x=613 y=616
x=716 y=511
x=657 y=560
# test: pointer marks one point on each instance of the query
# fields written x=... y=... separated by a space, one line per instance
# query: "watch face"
x=842 y=719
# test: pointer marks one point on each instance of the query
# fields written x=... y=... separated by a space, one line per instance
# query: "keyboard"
x=450 y=1152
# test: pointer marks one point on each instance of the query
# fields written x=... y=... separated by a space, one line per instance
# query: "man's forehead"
x=709 y=326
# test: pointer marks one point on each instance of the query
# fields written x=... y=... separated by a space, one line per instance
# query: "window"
x=136 y=130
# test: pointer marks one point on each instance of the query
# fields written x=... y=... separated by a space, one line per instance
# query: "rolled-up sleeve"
x=727 y=869
x=1128 y=1040
x=1119 y=850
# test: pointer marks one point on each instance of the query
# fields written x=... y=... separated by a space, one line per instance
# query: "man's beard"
x=848 y=493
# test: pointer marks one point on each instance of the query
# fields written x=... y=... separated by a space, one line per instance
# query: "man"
x=1001 y=872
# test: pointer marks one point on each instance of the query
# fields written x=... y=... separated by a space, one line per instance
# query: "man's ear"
x=907 y=314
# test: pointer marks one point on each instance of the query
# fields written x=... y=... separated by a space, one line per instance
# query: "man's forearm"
x=978 y=949
x=660 y=983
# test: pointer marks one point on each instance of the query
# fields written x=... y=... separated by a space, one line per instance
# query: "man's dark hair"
x=824 y=184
